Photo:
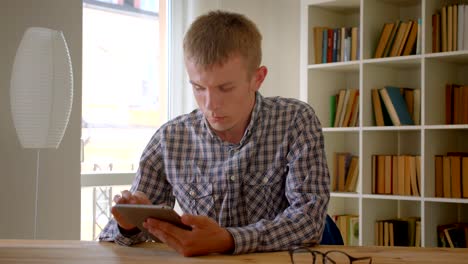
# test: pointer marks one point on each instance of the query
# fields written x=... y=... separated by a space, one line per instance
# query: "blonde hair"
x=214 y=37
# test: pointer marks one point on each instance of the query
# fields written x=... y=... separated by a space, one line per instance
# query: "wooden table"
x=50 y=251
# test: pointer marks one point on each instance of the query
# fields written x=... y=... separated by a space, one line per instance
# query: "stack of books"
x=453 y=235
x=349 y=228
x=399 y=39
x=336 y=44
x=396 y=175
x=344 y=108
x=456 y=104
x=398 y=232
x=451 y=175
x=345 y=173
x=396 y=106
x=450 y=28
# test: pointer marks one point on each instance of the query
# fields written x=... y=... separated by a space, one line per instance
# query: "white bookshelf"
x=428 y=72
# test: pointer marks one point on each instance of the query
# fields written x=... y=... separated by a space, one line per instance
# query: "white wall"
x=59 y=185
x=279 y=23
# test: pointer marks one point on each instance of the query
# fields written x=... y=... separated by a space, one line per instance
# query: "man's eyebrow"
x=219 y=85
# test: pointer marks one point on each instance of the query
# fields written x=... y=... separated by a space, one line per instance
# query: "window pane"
x=124 y=95
x=124 y=98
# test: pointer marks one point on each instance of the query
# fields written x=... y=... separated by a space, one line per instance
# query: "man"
x=249 y=172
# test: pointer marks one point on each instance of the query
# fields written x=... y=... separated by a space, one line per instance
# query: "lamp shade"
x=41 y=91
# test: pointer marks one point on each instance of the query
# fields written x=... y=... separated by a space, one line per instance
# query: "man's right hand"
x=127 y=197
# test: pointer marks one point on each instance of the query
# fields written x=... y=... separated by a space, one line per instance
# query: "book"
x=401 y=175
x=436 y=32
x=411 y=42
x=465 y=28
x=456 y=236
x=408 y=94
x=352 y=100
x=455 y=27
x=378 y=114
x=352 y=176
x=335 y=45
x=374 y=174
x=446 y=171
x=330 y=45
x=343 y=42
x=355 y=113
x=413 y=176
x=417 y=106
x=449 y=28
x=419 y=38
x=398 y=39
x=439 y=180
x=388 y=174
x=418 y=172
x=455 y=176
x=342 y=161
x=389 y=45
x=332 y=109
x=417 y=235
x=443 y=18
x=396 y=106
x=461 y=24
x=408 y=169
x=325 y=45
x=464 y=103
x=384 y=38
x=340 y=106
x=318 y=42
x=449 y=104
x=405 y=37
x=353 y=230
x=343 y=110
x=354 y=43
x=465 y=176
x=395 y=174
x=380 y=174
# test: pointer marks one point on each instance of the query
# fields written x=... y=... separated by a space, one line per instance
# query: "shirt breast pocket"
x=195 y=198
x=264 y=195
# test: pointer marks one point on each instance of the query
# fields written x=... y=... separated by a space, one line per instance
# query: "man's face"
x=225 y=93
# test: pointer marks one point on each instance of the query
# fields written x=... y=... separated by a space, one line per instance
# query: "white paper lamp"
x=41 y=91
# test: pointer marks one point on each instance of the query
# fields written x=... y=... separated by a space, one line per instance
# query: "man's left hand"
x=205 y=237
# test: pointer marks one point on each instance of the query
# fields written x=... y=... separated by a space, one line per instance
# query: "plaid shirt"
x=270 y=191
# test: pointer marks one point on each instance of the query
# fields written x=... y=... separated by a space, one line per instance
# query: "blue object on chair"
x=331 y=233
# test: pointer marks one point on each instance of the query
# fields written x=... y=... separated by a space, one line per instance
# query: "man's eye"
x=198 y=88
x=227 y=89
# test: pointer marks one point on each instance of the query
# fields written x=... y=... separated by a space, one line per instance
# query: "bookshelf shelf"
x=402 y=62
x=392 y=197
x=346 y=66
x=438 y=127
x=446 y=200
x=341 y=129
x=429 y=72
x=390 y=128
x=344 y=194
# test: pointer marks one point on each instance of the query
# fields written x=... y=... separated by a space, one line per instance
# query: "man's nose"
x=213 y=100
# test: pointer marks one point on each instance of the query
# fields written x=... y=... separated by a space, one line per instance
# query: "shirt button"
x=265 y=180
x=233 y=178
x=192 y=193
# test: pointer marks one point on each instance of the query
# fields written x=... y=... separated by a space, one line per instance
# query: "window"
x=125 y=98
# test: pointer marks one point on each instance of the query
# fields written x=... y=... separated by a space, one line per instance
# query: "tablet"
x=136 y=214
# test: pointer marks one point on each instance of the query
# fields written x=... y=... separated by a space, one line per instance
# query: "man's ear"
x=259 y=77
